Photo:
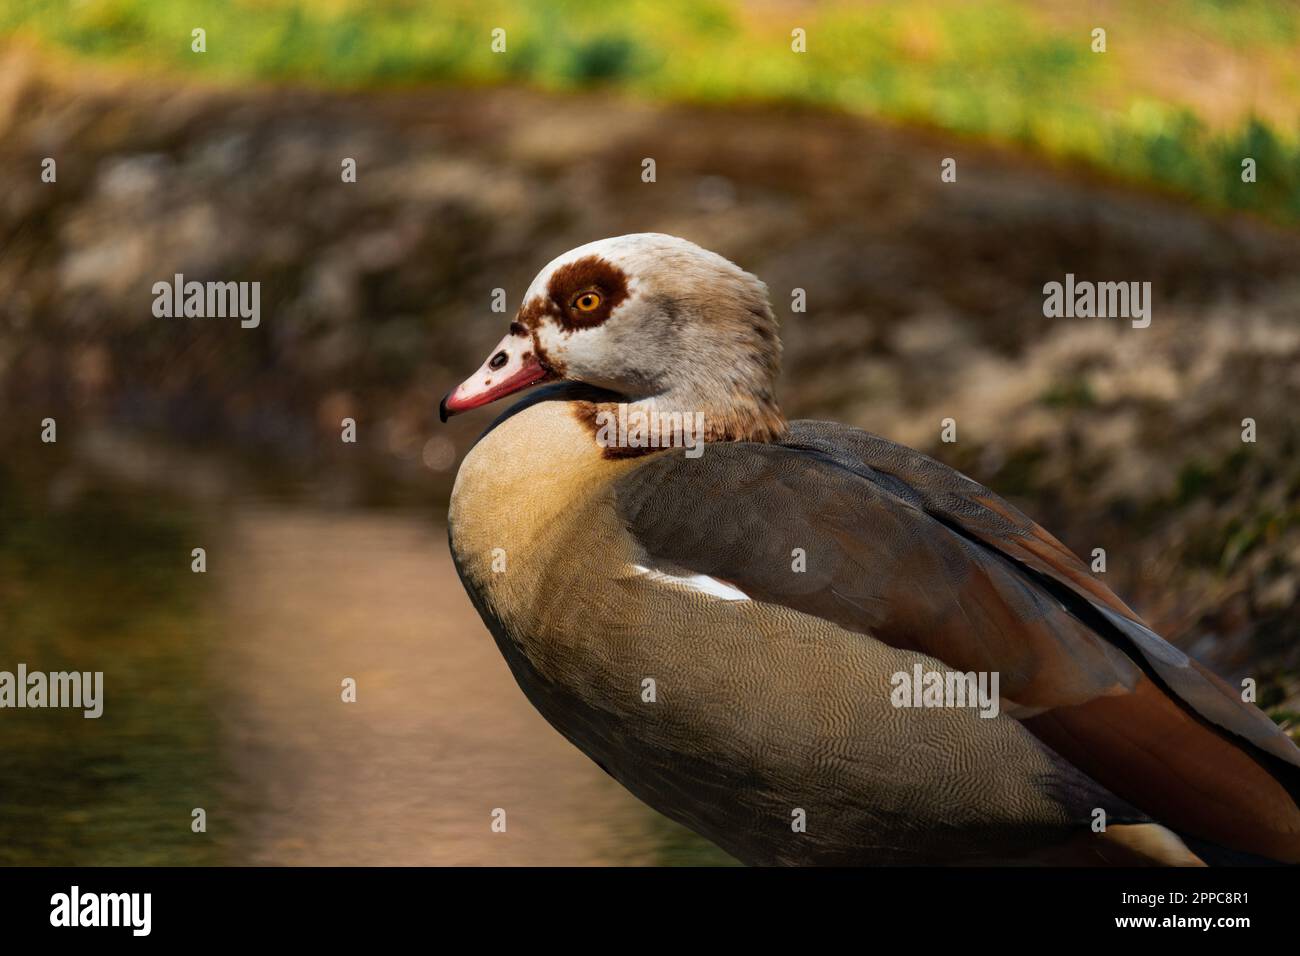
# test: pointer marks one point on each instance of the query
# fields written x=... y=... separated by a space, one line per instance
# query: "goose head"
x=653 y=320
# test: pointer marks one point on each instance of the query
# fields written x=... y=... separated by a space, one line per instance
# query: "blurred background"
x=816 y=170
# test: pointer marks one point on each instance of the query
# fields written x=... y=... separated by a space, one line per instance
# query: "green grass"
x=1154 y=108
x=104 y=585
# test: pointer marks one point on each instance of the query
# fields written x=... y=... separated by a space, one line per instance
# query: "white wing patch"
x=700 y=583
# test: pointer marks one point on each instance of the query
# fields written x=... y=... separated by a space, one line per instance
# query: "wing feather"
x=902 y=548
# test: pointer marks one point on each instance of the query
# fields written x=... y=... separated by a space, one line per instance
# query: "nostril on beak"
x=498 y=361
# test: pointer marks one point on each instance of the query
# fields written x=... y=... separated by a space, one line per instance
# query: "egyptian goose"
x=723 y=626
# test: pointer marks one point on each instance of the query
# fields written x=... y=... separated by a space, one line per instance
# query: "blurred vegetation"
x=104 y=584
x=1185 y=90
x=678 y=846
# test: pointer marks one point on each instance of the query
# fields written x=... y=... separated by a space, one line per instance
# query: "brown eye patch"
x=586 y=291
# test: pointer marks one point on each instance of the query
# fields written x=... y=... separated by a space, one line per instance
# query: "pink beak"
x=510 y=368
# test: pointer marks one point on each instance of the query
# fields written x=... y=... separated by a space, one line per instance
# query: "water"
x=224 y=692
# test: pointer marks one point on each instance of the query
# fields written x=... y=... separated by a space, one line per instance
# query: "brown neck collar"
x=628 y=429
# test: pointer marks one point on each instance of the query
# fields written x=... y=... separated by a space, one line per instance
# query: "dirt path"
x=439 y=735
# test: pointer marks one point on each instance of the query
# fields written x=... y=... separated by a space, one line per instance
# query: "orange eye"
x=587 y=302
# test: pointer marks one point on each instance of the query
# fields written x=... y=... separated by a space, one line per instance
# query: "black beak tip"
x=442 y=408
